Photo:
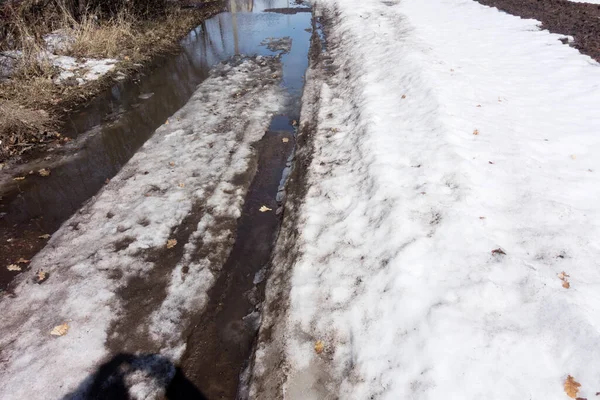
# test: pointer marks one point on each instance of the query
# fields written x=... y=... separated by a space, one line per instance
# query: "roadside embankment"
x=55 y=58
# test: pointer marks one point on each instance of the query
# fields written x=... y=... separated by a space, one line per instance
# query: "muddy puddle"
x=113 y=127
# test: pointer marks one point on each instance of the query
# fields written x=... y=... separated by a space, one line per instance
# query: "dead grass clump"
x=21 y=128
x=101 y=39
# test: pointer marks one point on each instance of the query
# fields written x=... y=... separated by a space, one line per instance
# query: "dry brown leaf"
x=19 y=178
x=566 y=285
x=13 y=267
x=22 y=261
x=476 y=132
x=285 y=140
x=265 y=209
x=479 y=105
x=182 y=185
x=572 y=387
x=60 y=330
x=403 y=96
x=498 y=251
x=563 y=275
x=172 y=164
x=44 y=236
x=44 y=172
x=167 y=122
x=319 y=347
x=41 y=276
x=171 y=243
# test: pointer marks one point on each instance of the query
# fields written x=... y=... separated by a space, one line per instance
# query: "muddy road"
x=155 y=247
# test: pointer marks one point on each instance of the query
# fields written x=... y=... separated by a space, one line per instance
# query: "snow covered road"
x=124 y=273
x=446 y=245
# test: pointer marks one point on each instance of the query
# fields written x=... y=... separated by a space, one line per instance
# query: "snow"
x=83 y=71
x=189 y=164
x=393 y=266
x=585 y=1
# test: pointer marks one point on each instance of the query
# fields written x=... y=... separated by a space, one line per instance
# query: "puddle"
x=115 y=125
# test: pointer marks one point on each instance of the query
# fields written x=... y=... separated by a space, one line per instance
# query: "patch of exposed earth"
x=579 y=20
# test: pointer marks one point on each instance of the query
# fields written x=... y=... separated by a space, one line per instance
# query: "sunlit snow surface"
x=193 y=160
x=445 y=130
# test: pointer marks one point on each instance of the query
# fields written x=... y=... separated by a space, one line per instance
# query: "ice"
x=392 y=266
x=185 y=170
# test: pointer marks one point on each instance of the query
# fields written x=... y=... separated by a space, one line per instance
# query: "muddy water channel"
x=110 y=130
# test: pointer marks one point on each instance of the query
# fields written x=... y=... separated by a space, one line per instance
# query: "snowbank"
x=71 y=70
x=454 y=179
x=116 y=277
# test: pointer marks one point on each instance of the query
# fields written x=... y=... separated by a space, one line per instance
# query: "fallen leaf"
x=491 y=162
x=60 y=330
x=171 y=243
x=403 y=96
x=44 y=236
x=172 y=164
x=41 y=276
x=285 y=140
x=566 y=285
x=476 y=132
x=44 y=172
x=13 y=267
x=572 y=387
x=19 y=178
x=167 y=122
x=319 y=347
x=481 y=217
x=22 y=261
x=498 y=251
x=182 y=185
x=265 y=209
x=479 y=105
x=294 y=123
x=563 y=275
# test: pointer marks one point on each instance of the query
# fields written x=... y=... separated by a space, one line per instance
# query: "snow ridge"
x=453 y=180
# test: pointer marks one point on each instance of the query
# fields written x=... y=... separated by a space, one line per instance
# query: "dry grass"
x=22 y=128
x=123 y=37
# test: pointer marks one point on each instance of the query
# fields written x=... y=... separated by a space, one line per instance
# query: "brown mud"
x=580 y=20
x=221 y=340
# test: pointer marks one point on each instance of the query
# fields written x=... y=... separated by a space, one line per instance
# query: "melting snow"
x=193 y=162
x=394 y=269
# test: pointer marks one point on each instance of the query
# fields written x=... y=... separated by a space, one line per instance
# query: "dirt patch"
x=580 y=20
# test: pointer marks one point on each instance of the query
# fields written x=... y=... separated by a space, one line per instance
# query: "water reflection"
x=110 y=145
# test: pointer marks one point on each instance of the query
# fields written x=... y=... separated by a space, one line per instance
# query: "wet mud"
x=579 y=20
x=221 y=341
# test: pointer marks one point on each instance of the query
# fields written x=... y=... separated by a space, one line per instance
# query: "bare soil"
x=580 y=20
